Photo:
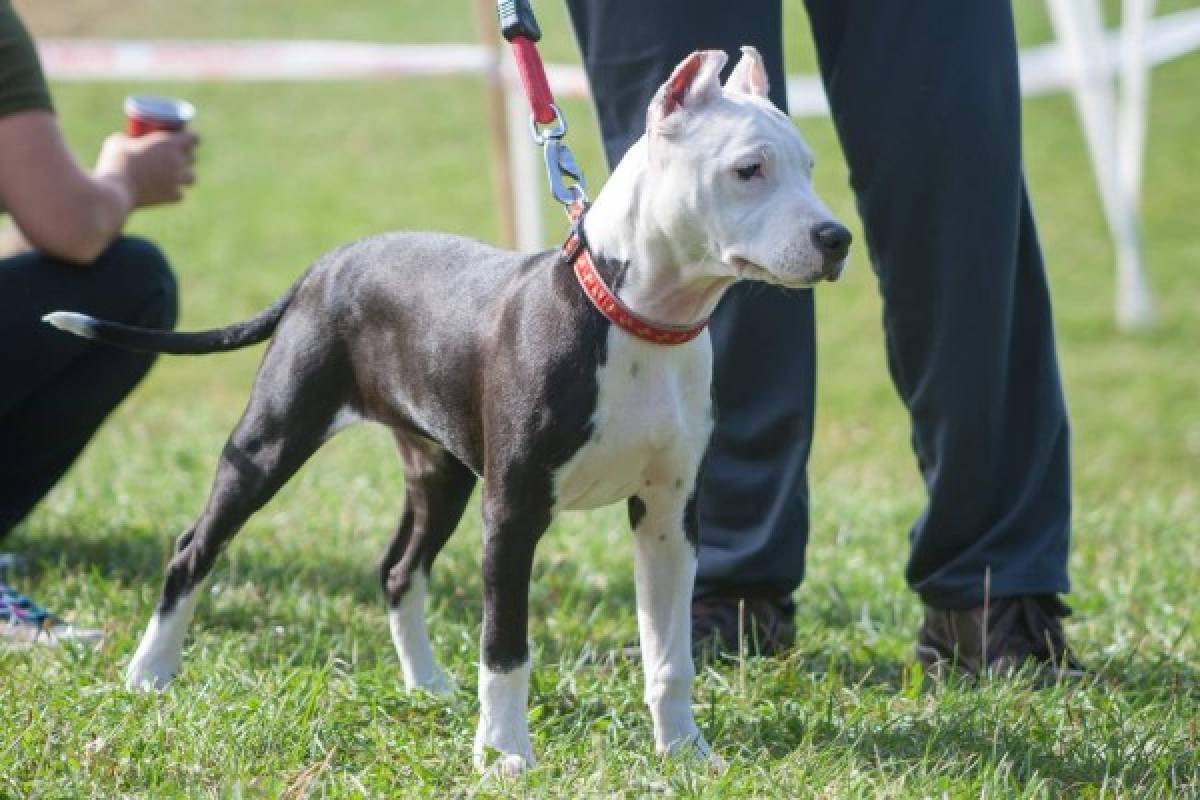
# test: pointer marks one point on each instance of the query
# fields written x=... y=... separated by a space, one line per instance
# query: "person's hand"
x=74 y=214
x=153 y=168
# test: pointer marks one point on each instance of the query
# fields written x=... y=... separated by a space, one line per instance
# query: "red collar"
x=605 y=299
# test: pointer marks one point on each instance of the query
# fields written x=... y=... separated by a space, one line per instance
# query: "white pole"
x=1078 y=25
x=499 y=150
x=1135 y=306
x=528 y=180
x=1135 y=97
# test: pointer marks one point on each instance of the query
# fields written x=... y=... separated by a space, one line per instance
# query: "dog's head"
x=730 y=178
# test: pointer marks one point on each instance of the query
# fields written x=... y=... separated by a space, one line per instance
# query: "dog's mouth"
x=834 y=271
x=749 y=271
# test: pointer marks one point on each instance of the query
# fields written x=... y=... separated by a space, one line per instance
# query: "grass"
x=290 y=687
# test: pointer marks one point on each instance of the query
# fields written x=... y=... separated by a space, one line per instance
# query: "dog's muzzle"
x=833 y=242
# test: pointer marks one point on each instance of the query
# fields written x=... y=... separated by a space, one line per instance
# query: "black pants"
x=927 y=107
x=56 y=389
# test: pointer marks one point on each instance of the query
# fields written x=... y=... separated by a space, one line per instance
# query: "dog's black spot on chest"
x=637 y=511
x=634 y=368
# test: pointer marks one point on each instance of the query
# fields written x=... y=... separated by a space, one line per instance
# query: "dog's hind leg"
x=664 y=525
x=437 y=488
x=290 y=412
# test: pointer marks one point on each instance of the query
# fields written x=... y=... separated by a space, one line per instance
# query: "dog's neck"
x=664 y=279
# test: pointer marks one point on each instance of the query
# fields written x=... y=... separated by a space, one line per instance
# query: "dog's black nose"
x=832 y=239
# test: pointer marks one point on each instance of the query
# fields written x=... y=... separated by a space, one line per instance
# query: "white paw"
x=438 y=683
x=500 y=751
x=696 y=749
x=506 y=765
x=148 y=674
x=160 y=652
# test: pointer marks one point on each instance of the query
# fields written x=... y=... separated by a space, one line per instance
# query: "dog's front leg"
x=664 y=571
x=510 y=536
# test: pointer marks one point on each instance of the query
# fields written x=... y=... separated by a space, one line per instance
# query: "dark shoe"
x=765 y=624
x=1014 y=632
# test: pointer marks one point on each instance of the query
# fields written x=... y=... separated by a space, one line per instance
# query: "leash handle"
x=520 y=28
x=546 y=122
x=533 y=78
x=516 y=19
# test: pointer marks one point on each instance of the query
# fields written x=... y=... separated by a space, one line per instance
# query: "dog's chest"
x=651 y=424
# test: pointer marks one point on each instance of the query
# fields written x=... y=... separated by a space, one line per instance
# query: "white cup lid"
x=162 y=109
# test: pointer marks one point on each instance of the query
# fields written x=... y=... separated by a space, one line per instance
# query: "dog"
x=510 y=368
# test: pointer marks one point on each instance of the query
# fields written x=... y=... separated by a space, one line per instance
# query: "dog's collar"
x=577 y=253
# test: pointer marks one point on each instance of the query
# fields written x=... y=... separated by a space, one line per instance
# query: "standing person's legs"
x=926 y=102
x=753 y=495
x=55 y=390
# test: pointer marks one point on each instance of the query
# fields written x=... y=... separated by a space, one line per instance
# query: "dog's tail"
x=148 y=340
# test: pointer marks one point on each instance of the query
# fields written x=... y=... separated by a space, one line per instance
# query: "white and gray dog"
x=494 y=365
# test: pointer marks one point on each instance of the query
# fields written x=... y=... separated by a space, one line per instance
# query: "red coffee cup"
x=146 y=113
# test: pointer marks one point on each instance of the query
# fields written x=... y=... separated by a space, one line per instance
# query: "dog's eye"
x=748 y=172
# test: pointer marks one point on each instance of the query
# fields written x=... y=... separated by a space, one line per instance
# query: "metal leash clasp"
x=518 y=26
x=566 y=178
x=562 y=170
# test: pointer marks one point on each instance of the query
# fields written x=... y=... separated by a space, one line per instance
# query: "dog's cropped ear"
x=696 y=81
x=749 y=76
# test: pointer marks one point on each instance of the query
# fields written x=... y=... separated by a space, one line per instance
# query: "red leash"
x=546 y=122
x=533 y=78
x=548 y=126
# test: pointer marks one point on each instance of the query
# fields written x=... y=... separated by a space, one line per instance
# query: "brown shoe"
x=1013 y=632
x=765 y=623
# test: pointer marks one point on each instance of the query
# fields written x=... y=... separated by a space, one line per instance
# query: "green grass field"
x=290 y=686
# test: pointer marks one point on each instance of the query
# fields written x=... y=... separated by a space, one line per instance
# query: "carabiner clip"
x=560 y=163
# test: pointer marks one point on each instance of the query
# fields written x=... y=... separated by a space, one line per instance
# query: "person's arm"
x=70 y=213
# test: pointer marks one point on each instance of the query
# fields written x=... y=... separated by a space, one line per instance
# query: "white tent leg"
x=1079 y=27
x=1134 y=303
